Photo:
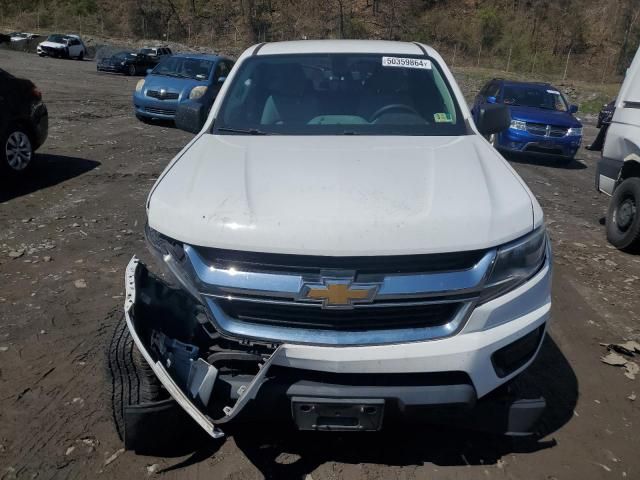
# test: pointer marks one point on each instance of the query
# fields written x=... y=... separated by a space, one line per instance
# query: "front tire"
x=16 y=152
x=623 y=216
x=132 y=70
x=132 y=379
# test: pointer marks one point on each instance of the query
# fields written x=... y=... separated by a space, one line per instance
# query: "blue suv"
x=542 y=120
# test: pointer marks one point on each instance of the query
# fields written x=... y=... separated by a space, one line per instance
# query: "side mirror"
x=573 y=108
x=493 y=118
x=149 y=70
x=492 y=99
x=190 y=116
x=221 y=80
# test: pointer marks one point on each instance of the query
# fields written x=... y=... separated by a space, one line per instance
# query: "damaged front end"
x=166 y=326
x=214 y=365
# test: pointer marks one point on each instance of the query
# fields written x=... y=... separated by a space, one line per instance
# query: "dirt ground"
x=67 y=234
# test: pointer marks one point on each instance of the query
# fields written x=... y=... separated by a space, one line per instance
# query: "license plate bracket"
x=361 y=414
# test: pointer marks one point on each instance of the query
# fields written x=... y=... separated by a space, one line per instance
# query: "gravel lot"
x=65 y=238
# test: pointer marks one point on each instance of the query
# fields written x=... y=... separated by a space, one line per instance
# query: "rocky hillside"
x=579 y=39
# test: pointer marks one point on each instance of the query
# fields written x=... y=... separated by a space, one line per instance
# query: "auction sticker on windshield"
x=406 y=62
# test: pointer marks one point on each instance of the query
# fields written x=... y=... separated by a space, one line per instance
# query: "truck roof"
x=342 y=46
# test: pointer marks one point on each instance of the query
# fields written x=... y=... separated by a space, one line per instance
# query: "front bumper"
x=449 y=375
x=153 y=108
x=107 y=67
x=524 y=142
x=52 y=52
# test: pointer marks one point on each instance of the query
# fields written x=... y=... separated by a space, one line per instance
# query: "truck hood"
x=339 y=196
x=548 y=117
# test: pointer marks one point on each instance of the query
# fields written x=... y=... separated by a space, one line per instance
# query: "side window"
x=493 y=89
x=222 y=69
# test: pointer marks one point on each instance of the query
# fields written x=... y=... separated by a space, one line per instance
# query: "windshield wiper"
x=248 y=131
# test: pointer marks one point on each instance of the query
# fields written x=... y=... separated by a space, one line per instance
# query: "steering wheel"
x=395 y=106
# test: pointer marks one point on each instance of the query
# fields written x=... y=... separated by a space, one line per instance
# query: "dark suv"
x=24 y=124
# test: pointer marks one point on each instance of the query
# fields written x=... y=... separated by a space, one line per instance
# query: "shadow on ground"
x=280 y=451
x=50 y=170
x=542 y=160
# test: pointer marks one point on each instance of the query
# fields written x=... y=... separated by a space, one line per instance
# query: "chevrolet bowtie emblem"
x=338 y=292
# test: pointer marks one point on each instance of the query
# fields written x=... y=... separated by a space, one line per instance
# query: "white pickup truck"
x=338 y=245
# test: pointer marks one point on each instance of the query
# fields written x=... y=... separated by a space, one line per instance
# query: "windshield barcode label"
x=406 y=62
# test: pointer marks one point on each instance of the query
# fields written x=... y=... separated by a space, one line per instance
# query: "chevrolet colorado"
x=339 y=244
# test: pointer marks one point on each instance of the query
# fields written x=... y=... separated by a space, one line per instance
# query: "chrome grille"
x=544 y=130
x=358 y=319
x=162 y=95
x=267 y=301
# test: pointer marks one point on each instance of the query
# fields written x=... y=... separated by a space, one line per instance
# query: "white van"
x=618 y=172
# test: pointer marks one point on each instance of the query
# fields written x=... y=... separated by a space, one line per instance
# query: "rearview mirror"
x=493 y=118
x=190 y=116
x=221 y=80
x=573 y=108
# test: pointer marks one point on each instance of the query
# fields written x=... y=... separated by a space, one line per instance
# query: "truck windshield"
x=56 y=38
x=339 y=94
x=546 y=98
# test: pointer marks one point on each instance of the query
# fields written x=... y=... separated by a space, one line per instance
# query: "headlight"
x=197 y=92
x=515 y=263
x=575 y=132
x=139 y=85
x=518 y=125
x=169 y=257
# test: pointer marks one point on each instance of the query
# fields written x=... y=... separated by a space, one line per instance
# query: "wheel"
x=623 y=218
x=132 y=70
x=132 y=379
x=16 y=152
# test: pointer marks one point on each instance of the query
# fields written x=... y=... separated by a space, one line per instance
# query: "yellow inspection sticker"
x=442 y=117
x=403 y=62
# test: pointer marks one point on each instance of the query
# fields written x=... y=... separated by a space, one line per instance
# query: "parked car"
x=316 y=231
x=156 y=52
x=62 y=46
x=127 y=62
x=542 y=120
x=24 y=124
x=19 y=36
x=618 y=172
x=177 y=79
x=605 y=114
